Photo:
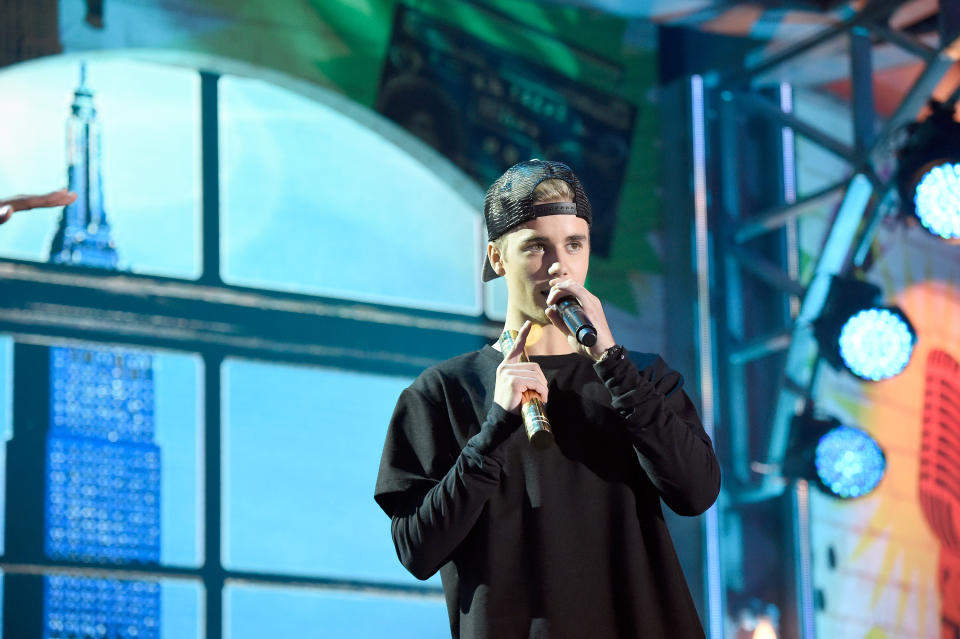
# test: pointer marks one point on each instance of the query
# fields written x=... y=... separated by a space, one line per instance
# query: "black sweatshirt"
x=567 y=542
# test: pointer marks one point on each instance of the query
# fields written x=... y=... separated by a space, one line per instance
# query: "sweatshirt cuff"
x=497 y=427
x=628 y=389
x=621 y=376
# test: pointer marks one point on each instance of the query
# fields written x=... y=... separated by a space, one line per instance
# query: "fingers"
x=526 y=377
x=61 y=197
x=519 y=343
x=513 y=379
x=592 y=309
x=556 y=319
x=560 y=289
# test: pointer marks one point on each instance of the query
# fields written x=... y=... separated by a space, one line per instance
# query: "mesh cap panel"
x=509 y=200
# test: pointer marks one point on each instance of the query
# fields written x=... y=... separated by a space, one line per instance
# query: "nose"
x=557 y=269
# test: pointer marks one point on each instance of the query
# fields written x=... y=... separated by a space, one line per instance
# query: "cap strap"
x=555 y=208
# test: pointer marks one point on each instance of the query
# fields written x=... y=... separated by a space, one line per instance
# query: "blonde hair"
x=553 y=190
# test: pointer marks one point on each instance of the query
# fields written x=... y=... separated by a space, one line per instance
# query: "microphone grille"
x=940 y=449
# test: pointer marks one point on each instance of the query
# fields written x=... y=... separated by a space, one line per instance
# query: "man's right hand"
x=11 y=205
x=514 y=377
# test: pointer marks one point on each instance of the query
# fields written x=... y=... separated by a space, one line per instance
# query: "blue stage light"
x=876 y=343
x=928 y=171
x=937 y=200
x=849 y=462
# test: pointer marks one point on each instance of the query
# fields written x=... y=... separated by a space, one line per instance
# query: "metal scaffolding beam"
x=752 y=263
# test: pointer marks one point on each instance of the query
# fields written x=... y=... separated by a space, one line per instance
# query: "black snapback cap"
x=509 y=200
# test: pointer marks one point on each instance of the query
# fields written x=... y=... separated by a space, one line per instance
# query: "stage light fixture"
x=928 y=172
x=874 y=342
x=849 y=462
x=937 y=200
x=844 y=461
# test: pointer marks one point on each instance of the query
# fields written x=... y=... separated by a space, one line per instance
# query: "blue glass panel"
x=105 y=608
x=181 y=609
x=103 y=393
x=84 y=607
x=254 y=612
x=6 y=427
x=314 y=201
x=6 y=387
x=301 y=451
x=123 y=455
x=495 y=299
x=102 y=500
x=144 y=144
x=178 y=424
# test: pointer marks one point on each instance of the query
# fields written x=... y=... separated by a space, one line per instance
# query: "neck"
x=551 y=342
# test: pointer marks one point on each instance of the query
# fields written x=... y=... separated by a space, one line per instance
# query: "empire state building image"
x=90 y=446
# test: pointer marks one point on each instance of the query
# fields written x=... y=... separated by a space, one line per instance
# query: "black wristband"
x=617 y=351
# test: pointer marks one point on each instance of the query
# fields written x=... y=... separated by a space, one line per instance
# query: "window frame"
x=47 y=303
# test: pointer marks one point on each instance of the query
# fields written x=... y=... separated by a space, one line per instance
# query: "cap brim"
x=488 y=272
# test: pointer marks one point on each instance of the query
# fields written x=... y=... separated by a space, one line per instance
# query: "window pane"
x=254 y=612
x=495 y=299
x=316 y=202
x=58 y=606
x=143 y=146
x=179 y=435
x=6 y=426
x=301 y=452
x=116 y=458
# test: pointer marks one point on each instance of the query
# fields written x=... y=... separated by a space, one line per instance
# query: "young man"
x=568 y=541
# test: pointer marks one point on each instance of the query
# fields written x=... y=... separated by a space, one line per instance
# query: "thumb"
x=5 y=213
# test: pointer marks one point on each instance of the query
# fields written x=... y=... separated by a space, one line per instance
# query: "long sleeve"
x=432 y=514
x=672 y=446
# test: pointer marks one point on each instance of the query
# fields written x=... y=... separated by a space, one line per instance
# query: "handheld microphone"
x=576 y=321
x=535 y=420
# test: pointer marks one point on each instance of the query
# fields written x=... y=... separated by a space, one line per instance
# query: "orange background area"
x=884 y=583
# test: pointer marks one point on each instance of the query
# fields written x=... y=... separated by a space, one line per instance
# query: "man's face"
x=537 y=251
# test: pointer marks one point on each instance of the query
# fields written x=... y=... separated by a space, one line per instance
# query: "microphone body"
x=575 y=319
x=535 y=420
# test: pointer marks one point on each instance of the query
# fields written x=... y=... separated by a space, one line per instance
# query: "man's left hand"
x=561 y=288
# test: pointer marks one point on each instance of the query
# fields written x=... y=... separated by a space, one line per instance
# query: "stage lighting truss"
x=928 y=172
x=844 y=461
x=756 y=241
x=873 y=342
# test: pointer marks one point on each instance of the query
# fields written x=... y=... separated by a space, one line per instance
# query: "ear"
x=495 y=257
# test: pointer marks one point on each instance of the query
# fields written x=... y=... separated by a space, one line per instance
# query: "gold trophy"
x=531 y=408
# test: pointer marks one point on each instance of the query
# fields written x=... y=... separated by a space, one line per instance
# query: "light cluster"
x=849 y=462
x=876 y=343
x=937 y=200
